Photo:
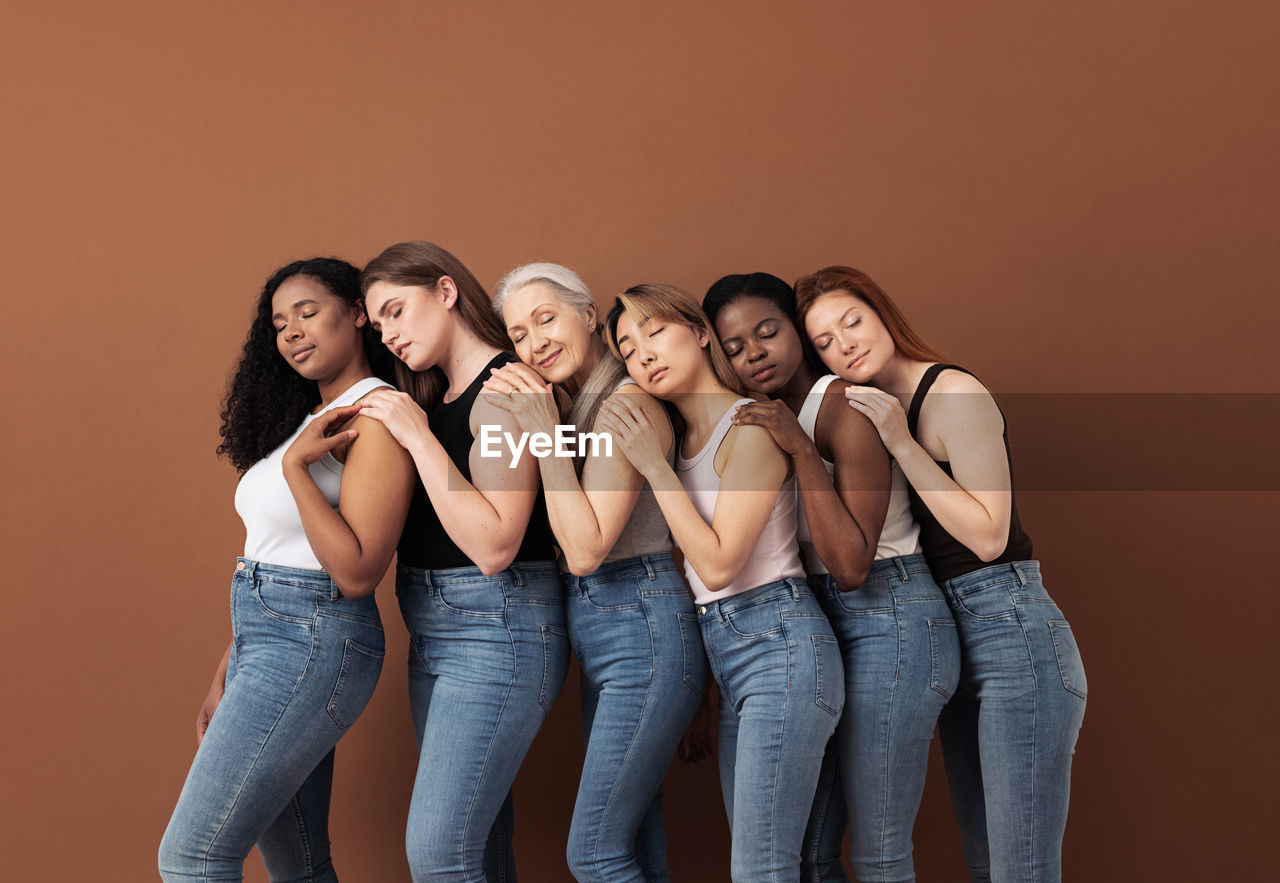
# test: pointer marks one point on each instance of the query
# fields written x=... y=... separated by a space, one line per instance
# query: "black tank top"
x=947 y=556
x=424 y=542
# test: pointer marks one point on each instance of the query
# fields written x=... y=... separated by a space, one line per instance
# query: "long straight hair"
x=671 y=304
x=569 y=288
x=423 y=264
x=906 y=340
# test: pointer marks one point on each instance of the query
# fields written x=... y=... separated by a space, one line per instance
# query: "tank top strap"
x=926 y=383
x=352 y=394
x=717 y=436
x=808 y=416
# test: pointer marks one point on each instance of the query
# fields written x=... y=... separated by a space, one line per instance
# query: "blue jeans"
x=633 y=628
x=487 y=658
x=901 y=665
x=781 y=682
x=1010 y=731
x=303 y=664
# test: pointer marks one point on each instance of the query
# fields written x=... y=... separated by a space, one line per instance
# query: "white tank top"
x=901 y=534
x=776 y=555
x=273 y=527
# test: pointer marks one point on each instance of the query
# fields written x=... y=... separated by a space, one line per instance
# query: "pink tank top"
x=776 y=554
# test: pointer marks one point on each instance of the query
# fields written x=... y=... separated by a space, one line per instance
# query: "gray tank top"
x=646 y=531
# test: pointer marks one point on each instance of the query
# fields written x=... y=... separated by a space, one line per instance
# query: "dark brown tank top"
x=947 y=556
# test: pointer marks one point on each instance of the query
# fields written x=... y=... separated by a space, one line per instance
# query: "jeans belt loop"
x=648 y=566
x=794 y=586
x=335 y=594
x=902 y=569
x=517 y=575
x=1022 y=577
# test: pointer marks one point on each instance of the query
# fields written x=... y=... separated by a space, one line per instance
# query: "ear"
x=361 y=316
x=592 y=320
x=447 y=290
x=703 y=336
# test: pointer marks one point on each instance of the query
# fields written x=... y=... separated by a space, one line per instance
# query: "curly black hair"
x=266 y=399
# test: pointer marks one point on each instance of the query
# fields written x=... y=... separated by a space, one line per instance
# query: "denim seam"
x=681 y=618
x=817 y=659
x=546 y=662
x=933 y=656
x=350 y=645
x=1035 y=715
x=265 y=739
x=267 y=611
x=1010 y=614
x=1056 y=625
x=309 y=859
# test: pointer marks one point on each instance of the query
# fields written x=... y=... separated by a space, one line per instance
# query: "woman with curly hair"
x=323 y=494
x=477 y=578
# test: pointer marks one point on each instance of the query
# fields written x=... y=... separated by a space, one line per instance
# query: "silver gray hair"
x=573 y=292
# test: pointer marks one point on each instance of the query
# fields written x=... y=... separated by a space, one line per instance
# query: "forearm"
x=335 y=545
x=220 y=675
x=959 y=512
x=717 y=562
x=474 y=524
x=573 y=519
x=843 y=544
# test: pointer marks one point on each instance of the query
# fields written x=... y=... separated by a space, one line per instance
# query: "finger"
x=338 y=439
x=499 y=400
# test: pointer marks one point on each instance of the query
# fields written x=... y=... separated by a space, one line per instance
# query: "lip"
x=853 y=363
x=399 y=351
x=766 y=372
x=300 y=354
x=657 y=374
x=550 y=360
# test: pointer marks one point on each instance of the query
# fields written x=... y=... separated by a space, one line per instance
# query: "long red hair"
x=906 y=339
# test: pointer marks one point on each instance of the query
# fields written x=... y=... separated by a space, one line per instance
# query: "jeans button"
x=702 y=611
x=239 y=565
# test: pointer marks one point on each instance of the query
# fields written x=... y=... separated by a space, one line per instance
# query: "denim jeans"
x=781 y=682
x=901 y=665
x=633 y=628
x=487 y=658
x=304 y=662
x=1010 y=731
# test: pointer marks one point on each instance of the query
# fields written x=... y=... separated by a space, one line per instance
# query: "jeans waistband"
x=517 y=573
x=317 y=580
x=1022 y=572
x=639 y=567
x=790 y=587
x=903 y=566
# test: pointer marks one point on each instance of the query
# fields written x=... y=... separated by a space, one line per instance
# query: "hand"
x=635 y=434
x=321 y=436
x=781 y=423
x=207 y=709
x=695 y=745
x=885 y=413
x=399 y=413
x=521 y=392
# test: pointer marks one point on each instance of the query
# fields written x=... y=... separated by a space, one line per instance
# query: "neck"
x=704 y=403
x=353 y=371
x=575 y=383
x=463 y=358
x=794 y=391
x=900 y=376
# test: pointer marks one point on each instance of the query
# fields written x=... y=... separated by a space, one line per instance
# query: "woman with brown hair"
x=477 y=580
x=730 y=503
x=1009 y=732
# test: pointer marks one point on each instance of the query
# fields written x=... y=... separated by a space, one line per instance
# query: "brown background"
x=1069 y=198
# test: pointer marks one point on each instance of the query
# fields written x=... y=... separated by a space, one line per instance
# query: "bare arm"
x=587 y=515
x=487 y=516
x=211 y=700
x=962 y=425
x=754 y=469
x=353 y=543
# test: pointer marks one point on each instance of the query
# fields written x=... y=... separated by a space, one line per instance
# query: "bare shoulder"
x=840 y=427
x=485 y=414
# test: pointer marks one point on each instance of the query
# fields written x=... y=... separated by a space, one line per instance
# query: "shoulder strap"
x=926 y=382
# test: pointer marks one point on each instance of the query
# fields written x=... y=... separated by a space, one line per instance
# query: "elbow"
x=358 y=587
x=494 y=561
x=989 y=549
x=583 y=565
x=851 y=576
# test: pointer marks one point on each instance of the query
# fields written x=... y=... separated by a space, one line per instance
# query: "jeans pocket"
x=944 y=655
x=1070 y=665
x=829 y=674
x=285 y=602
x=756 y=620
x=695 y=655
x=555 y=664
x=361 y=667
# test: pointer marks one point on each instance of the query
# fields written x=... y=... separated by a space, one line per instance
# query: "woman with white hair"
x=630 y=617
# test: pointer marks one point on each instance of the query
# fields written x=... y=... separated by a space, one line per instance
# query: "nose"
x=847 y=342
x=645 y=357
x=292 y=331
x=754 y=351
x=537 y=342
x=387 y=335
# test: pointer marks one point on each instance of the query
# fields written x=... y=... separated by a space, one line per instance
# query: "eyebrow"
x=301 y=303
x=386 y=305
